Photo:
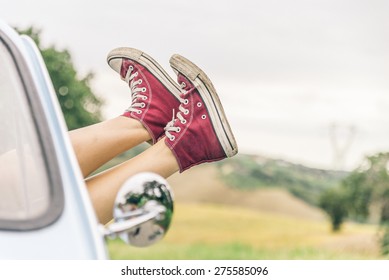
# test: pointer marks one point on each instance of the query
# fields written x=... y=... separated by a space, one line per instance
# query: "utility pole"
x=341 y=137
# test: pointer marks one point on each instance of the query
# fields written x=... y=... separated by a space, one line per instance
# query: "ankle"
x=133 y=128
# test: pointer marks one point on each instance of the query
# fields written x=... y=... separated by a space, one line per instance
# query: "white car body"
x=34 y=135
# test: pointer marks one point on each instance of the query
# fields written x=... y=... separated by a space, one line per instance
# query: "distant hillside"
x=251 y=172
x=202 y=184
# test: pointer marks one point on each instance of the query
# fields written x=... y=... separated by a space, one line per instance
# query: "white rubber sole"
x=211 y=99
x=114 y=59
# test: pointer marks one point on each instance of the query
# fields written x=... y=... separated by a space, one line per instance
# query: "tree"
x=78 y=103
x=359 y=192
x=368 y=186
x=332 y=201
x=365 y=187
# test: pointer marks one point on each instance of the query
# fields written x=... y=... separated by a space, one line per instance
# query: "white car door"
x=45 y=212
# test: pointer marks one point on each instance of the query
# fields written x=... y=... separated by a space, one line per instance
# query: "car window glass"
x=24 y=188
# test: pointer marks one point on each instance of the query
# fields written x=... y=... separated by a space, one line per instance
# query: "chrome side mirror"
x=143 y=210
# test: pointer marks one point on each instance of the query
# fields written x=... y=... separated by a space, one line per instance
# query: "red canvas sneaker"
x=200 y=132
x=154 y=94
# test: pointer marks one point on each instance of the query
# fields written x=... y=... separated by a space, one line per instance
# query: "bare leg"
x=103 y=187
x=97 y=144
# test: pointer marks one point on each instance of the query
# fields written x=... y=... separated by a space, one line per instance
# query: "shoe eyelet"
x=144 y=97
x=142 y=105
x=183 y=84
x=178 y=129
x=203 y=117
x=172 y=138
x=183 y=121
x=186 y=112
x=144 y=89
x=136 y=74
x=131 y=67
x=139 y=112
x=186 y=101
x=140 y=81
x=199 y=104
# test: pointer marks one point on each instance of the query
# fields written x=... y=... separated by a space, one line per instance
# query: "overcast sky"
x=286 y=71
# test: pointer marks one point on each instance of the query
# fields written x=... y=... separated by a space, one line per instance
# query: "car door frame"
x=70 y=208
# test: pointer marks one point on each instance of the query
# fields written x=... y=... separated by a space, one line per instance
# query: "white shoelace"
x=180 y=116
x=135 y=91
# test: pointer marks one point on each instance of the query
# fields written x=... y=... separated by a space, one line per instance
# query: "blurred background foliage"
x=80 y=106
x=363 y=196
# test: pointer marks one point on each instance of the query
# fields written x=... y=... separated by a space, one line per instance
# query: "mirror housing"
x=143 y=210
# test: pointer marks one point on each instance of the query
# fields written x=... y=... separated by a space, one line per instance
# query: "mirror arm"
x=118 y=227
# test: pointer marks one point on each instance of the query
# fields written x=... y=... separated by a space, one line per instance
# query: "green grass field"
x=207 y=231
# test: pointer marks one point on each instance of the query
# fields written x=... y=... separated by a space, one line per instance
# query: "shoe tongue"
x=124 y=67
